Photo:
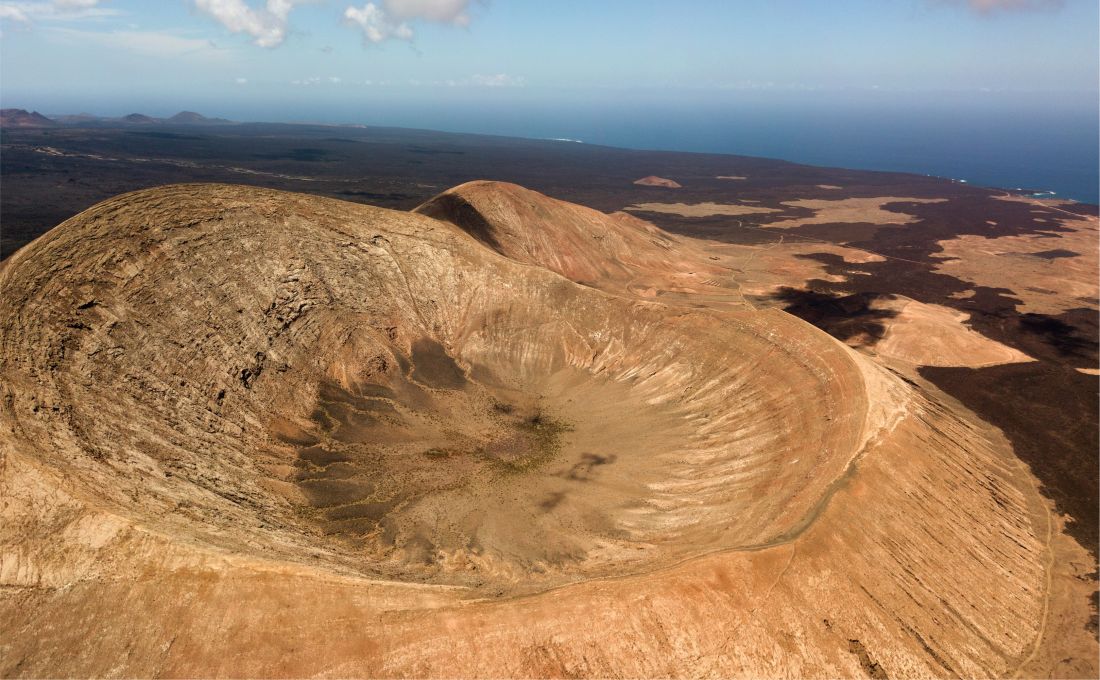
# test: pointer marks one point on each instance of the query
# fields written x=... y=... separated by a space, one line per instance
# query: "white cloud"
x=13 y=13
x=390 y=19
x=159 y=44
x=495 y=80
x=57 y=10
x=242 y=81
x=498 y=80
x=376 y=24
x=317 y=80
x=267 y=26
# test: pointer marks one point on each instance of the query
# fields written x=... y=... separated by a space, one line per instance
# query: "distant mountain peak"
x=188 y=117
x=24 y=119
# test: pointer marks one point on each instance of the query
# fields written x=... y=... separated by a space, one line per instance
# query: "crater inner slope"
x=312 y=377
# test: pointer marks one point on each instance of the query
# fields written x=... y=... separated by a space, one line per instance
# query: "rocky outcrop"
x=655 y=181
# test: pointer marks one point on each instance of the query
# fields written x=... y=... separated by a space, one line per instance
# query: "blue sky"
x=352 y=61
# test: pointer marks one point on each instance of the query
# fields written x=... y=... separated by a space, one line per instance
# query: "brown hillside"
x=655 y=181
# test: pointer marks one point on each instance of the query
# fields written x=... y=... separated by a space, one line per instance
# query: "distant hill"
x=138 y=118
x=188 y=117
x=21 y=118
x=192 y=118
x=654 y=181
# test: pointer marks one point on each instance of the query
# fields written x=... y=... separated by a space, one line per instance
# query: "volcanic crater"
x=412 y=405
x=298 y=410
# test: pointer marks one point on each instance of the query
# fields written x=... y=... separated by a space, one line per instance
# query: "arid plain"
x=415 y=404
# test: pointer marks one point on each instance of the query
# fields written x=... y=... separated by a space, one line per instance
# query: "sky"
x=373 y=62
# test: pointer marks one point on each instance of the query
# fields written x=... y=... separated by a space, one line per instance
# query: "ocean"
x=1046 y=143
x=1044 y=152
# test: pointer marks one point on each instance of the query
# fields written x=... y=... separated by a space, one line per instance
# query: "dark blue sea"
x=1044 y=153
x=1032 y=141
